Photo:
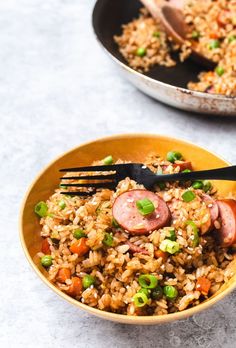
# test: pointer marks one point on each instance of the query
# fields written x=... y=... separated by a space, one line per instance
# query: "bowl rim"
x=126 y=67
x=121 y=318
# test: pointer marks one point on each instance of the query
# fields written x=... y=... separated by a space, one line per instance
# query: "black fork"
x=112 y=174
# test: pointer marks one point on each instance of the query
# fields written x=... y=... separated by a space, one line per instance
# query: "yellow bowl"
x=132 y=147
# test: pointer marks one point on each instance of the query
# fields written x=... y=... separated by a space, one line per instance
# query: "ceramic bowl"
x=167 y=85
x=133 y=147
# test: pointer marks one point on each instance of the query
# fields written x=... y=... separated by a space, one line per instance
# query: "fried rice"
x=212 y=31
x=116 y=267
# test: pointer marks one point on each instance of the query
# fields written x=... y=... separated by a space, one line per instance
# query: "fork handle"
x=226 y=173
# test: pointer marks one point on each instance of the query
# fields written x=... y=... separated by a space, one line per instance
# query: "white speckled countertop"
x=58 y=89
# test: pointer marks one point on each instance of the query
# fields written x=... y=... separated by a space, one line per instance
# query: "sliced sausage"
x=214 y=213
x=127 y=215
x=136 y=249
x=227 y=212
x=212 y=205
x=181 y=164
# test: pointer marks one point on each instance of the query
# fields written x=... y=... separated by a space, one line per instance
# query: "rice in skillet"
x=212 y=32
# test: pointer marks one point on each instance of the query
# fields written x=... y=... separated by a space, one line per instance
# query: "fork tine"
x=78 y=193
x=88 y=169
x=109 y=168
x=97 y=185
x=89 y=177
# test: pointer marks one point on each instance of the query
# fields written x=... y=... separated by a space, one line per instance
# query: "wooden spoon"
x=170 y=13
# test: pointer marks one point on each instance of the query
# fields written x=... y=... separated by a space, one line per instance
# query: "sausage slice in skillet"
x=128 y=216
x=227 y=212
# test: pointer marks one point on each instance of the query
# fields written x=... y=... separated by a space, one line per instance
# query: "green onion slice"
x=172 y=235
x=147 y=292
x=169 y=246
x=145 y=206
x=114 y=223
x=140 y=299
x=195 y=230
x=108 y=239
x=147 y=281
x=41 y=209
x=188 y=196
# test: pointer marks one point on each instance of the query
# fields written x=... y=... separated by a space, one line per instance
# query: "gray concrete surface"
x=58 y=89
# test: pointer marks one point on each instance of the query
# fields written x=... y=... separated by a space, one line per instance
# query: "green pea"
x=207 y=185
x=87 y=281
x=108 y=239
x=197 y=185
x=219 y=70
x=157 y=293
x=186 y=171
x=62 y=204
x=195 y=35
x=173 y=156
x=79 y=233
x=50 y=215
x=141 y=52
x=46 y=260
x=156 y=34
x=108 y=160
x=214 y=44
x=161 y=185
x=170 y=292
x=232 y=38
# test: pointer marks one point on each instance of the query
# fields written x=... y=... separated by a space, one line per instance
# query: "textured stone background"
x=58 y=89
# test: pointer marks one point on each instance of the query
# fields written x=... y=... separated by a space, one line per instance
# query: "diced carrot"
x=45 y=248
x=75 y=287
x=214 y=35
x=79 y=247
x=203 y=285
x=63 y=274
x=159 y=253
x=223 y=18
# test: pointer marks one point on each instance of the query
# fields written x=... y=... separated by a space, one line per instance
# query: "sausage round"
x=136 y=249
x=214 y=212
x=183 y=165
x=227 y=212
x=127 y=215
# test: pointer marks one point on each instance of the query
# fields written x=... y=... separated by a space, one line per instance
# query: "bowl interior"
x=126 y=147
x=108 y=18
